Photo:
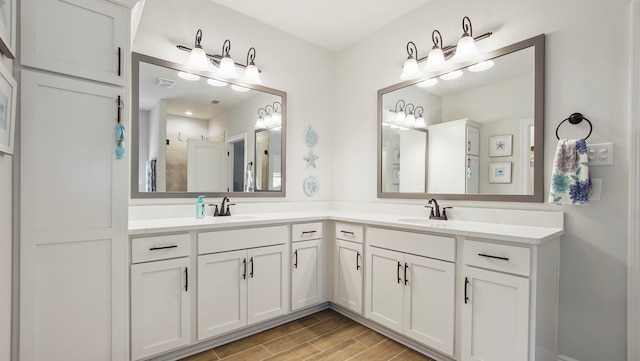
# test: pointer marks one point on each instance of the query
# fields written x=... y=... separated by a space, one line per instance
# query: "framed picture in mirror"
x=500 y=145
x=500 y=172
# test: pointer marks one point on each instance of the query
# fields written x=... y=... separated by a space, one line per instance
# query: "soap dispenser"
x=200 y=207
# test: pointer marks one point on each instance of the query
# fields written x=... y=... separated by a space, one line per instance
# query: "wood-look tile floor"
x=325 y=335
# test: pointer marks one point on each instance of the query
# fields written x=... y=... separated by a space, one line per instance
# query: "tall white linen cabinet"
x=73 y=67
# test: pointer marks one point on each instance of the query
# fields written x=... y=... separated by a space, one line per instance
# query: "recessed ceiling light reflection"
x=482 y=66
x=453 y=75
x=428 y=83
x=188 y=76
x=188 y=112
x=217 y=83
x=239 y=88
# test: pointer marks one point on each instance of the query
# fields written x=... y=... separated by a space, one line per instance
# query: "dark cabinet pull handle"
x=165 y=247
x=308 y=232
x=468 y=146
x=406 y=281
x=295 y=254
x=251 y=261
x=244 y=266
x=466 y=297
x=186 y=279
x=398 y=272
x=119 y=61
x=357 y=261
x=494 y=257
x=348 y=232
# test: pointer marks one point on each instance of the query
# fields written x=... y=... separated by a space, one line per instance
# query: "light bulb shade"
x=188 y=76
x=410 y=120
x=227 y=68
x=435 y=60
x=410 y=69
x=420 y=123
x=199 y=60
x=267 y=120
x=482 y=66
x=252 y=75
x=400 y=117
x=428 y=83
x=465 y=49
x=276 y=118
x=260 y=124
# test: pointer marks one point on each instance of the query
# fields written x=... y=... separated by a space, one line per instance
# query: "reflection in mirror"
x=473 y=132
x=195 y=135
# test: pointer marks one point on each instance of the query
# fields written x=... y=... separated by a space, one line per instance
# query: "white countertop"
x=498 y=231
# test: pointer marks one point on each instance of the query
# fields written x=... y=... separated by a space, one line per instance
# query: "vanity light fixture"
x=276 y=116
x=409 y=119
x=466 y=47
x=267 y=117
x=399 y=110
x=420 y=122
x=260 y=122
x=226 y=67
x=439 y=54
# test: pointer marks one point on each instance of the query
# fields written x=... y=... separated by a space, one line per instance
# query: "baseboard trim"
x=565 y=358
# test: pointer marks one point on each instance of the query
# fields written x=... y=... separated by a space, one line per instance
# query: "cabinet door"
x=73 y=242
x=222 y=292
x=160 y=307
x=472 y=174
x=495 y=316
x=385 y=278
x=429 y=302
x=306 y=274
x=349 y=276
x=85 y=38
x=473 y=140
x=268 y=290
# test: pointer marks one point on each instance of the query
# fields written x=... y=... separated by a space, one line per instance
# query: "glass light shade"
x=267 y=120
x=410 y=69
x=420 y=123
x=199 y=60
x=214 y=82
x=410 y=120
x=260 y=124
x=452 y=75
x=428 y=83
x=400 y=117
x=252 y=75
x=227 y=68
x=276 y=118
x=435 y=60
x=465 y=49
x=482 y=66
x=239 y=88
x=188 y=76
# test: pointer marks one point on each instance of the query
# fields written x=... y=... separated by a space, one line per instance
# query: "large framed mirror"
x=193 y=134
x=469 y=132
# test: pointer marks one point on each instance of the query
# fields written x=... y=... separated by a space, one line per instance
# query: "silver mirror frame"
x=134 y=132
x=537 y=43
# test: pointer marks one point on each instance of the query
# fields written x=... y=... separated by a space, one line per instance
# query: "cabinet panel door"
x=306 y=273
x=222 y=292
x=473 y=140
x=473 y=174
x=495 y=317
x=160 y=307
x=268 y=290
x=85 y=38
x=349 y=276
x=429 y=302
x=385 y=278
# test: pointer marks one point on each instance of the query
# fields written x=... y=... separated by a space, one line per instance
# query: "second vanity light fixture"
x=439 y=55
x=223 y=65
x=406 y=116
x=270 y=116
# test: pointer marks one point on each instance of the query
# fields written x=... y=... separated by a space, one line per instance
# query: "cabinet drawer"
x=160 y=247
x=499 y=257
x=349 y=232
x=306 y=231
x=426 y=245
x=231 y=240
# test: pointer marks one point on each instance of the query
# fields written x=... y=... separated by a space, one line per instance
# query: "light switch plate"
x=596 y=189
x=600 y=154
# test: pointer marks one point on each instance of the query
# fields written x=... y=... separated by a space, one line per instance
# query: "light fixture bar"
x=450 y=49
x=215 y=58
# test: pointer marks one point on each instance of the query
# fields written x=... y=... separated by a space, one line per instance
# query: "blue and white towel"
x=570 y=183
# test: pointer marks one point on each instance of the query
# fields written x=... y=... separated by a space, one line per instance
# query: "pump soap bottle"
x=200 y=208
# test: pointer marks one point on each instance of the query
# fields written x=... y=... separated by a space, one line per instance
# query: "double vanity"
x=453 y=290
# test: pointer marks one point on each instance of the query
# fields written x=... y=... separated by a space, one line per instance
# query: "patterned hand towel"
x=570 y=183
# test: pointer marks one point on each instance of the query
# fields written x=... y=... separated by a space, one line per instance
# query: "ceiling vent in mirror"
x=165 y=83
x=214 y=101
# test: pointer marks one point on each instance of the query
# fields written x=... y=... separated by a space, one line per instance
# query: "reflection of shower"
x=248 y=183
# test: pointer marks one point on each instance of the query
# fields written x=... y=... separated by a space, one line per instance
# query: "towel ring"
x=575 y=118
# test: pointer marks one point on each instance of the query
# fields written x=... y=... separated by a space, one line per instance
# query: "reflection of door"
x=206 y=166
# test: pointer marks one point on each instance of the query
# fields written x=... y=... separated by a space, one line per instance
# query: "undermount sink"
x=424 y=221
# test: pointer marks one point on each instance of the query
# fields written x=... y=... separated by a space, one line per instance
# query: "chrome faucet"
x=222 y=212
x=435 y=210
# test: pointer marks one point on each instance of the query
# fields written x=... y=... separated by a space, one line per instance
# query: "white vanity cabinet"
x=242 y=278
x=161 y=287
x=307 y=281
x=349 y=271
x=410 y=283
x=458 y=171
x=509 y=308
